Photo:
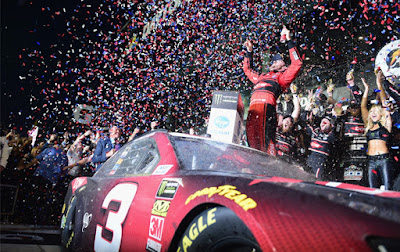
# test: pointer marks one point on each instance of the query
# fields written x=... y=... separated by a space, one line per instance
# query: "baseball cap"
x=276 y=57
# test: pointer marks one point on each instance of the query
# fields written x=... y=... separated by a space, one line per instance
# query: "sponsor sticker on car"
x=161 y=207
x=167 y=189
x=156 y=227
x=153 y=246
x=228 y=191
x=162 y=169
x=78 y=182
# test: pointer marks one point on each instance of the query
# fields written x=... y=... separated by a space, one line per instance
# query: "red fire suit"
x=261 y=119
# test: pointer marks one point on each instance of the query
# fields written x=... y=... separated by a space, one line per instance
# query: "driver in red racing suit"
x=262 y=120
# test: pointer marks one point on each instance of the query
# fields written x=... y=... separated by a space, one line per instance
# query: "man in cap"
x=262 y=120
x=106 y=147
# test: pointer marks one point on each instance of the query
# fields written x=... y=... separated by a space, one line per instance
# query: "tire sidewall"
x=214 y=229
x=67 y=224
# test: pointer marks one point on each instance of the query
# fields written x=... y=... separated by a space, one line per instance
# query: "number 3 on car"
x=116 y=205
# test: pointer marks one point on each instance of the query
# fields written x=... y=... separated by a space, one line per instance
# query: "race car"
x=175 y=192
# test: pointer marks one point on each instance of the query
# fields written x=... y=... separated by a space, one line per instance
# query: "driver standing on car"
x=105 y=148
x=262 y=119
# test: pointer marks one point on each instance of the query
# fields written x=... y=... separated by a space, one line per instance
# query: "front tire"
x=217 y=229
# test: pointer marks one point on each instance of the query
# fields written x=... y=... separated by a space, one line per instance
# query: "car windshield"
x=135 y=158
x=206 y=154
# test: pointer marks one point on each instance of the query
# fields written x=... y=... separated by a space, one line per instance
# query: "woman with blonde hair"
x=378 y=125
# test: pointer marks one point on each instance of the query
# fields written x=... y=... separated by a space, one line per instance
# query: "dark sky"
x=19 y=18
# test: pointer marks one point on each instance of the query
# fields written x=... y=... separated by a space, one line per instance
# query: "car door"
x=116 y=202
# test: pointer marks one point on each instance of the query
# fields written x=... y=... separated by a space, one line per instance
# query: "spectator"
x=292 y=106
x=44 y=197
x=4 y=150
x=352 y=158
x=378 y=127
x=322 y=140
x=106 y=147
x=286 y=141
x=134 y=134
x=74 y=154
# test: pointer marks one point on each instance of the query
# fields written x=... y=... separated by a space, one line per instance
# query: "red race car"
x=176 y=192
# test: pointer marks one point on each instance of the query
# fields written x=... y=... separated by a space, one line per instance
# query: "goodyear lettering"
x=197 y=228
x=161 y=207
x=229 y=192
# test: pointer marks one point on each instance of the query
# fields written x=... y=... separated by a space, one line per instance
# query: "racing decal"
x=168 y=188
x=156 y=227
x=197 y=228
x=227 y=191
x=316 y=145
x=162 y=169
x=86 y=220
x=160 y=207
x=153 y=246
x=115 y=208
x=295 y=56
x=116 y=166
x=114 y=169
x=78 y=182
x=125 y=153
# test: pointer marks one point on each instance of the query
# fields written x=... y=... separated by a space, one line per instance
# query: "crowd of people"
x=357 y=141
x=42 y=166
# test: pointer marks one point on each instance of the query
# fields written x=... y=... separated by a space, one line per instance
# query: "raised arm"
x=248 y=63
x=388 y=122
x=382 y=93
x=364 y=101
x=295 y=62
x=296 y=103
x=310 y=100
